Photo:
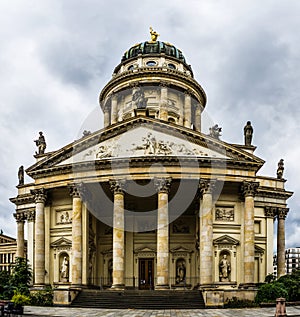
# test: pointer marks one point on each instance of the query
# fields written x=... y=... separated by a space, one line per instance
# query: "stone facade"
x=150 y=201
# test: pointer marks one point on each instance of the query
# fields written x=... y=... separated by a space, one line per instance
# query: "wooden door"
x=146 y=274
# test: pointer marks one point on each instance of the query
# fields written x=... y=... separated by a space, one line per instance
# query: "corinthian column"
x=281 y=215
x=114 y=109
x=187 y=110
x=20 y=218
x=270 y=213
x=206 y=231
x=106 y=116
x=39 y=250
x=162 y=270
x=118 y=188
x=163 y=111
x=249 y=190
x=76 y=259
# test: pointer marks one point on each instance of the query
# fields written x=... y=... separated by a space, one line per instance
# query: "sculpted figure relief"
x=224 y=269
x=64 y=272
x=139 y=99
x=41 y=144
x=180 y=271
x=248 y=133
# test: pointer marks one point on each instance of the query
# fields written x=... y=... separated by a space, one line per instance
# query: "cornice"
x=273 y=193
x=23 y=199
x=149 y=72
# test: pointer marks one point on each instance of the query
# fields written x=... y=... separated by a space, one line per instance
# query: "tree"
x=21 y=276
x=4 y=280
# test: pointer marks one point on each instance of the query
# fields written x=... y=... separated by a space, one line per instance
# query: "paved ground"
x=89 y=312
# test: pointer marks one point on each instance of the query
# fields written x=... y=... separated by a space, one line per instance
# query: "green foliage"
x=18 y=280
x=270 y=278
x=291 y=283
x=4 y=280
x=42 y=298
x=239 y=303
x=269 y=292
x=21 y=276
x=20 y=299
x=287 y=286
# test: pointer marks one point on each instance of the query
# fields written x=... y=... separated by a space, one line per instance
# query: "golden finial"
x=154 y=35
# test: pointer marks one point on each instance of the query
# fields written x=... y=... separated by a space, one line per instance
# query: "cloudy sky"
x=56 y=56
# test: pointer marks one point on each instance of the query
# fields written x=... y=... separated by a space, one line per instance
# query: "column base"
x=162 y=287
x=117 y=287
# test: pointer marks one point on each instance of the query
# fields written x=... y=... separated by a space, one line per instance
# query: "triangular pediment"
x=142 y=137
x=226 y=240
x=259 y=249
x=6 y=239
x=144 y=249
x=181 y=249
x=143 y=141
x=61 y=242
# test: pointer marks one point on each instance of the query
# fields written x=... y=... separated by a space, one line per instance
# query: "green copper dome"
x=156 y=47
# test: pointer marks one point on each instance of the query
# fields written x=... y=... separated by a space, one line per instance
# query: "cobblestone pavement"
x=89 y=312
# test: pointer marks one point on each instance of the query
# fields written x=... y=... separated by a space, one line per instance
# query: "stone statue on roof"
x=215 y=131
x=21 y=175
x=280 y=169
x=41 y=144
x=248 y=133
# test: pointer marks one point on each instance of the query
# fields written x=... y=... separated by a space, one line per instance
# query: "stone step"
x=140 y=299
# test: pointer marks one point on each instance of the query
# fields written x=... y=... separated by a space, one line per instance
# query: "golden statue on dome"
x=154 y=35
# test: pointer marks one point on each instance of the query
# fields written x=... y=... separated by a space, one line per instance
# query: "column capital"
x=30 y=215
x=75 y=190
x=282 y=213
x=164 y=84
x=188 y=92
x=270 y=212
x=118 y=186
x=20 y=217
x=162 y=184
x=40 y=195
x=206 y=186
x=249 y=188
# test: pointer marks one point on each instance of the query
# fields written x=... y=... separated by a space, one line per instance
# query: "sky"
x=57 y=55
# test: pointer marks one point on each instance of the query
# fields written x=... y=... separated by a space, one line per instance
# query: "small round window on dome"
x=130 y=67
x=171 y=66
x=151 y=63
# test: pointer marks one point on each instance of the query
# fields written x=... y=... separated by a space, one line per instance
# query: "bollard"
x=280 y=307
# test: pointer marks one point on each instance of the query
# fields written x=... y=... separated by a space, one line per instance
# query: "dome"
x=156 y=47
